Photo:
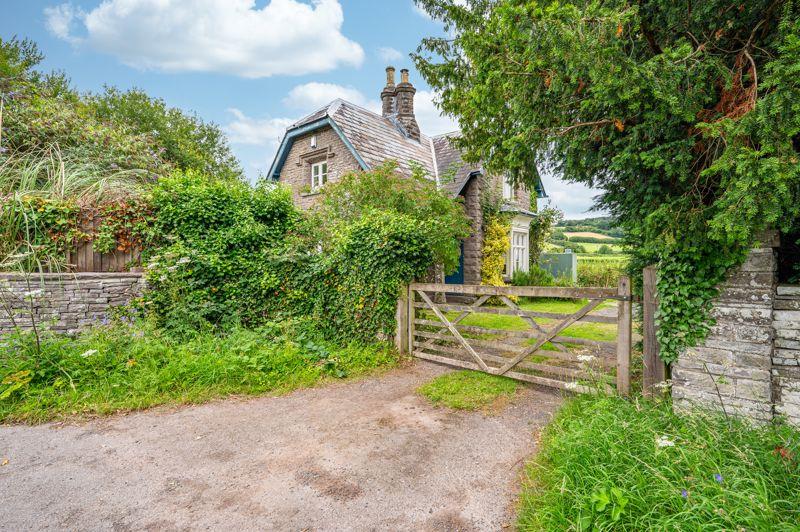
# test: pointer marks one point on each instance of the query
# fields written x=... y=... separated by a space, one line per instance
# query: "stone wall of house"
x=473 y=245
x=786 y=357
x=296 y=172
x=750 y=363
x=64 y=303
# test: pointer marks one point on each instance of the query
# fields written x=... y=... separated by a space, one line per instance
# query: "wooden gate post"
x=654 y=368
x=401 y=340
x=624 y=336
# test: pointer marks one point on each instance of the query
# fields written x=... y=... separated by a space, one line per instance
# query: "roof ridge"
x=448 y=134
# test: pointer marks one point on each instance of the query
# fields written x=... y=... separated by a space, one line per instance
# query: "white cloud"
x=256 y=131
x=430 y=120
x=311 y=96
x=60 y=21
x=389 y=54
x=574 y=199
x=285 y=37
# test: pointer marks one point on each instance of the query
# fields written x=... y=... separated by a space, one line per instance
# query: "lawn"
x=129 y=367
x=469 y=390
x=589 y=331
x=610 y=464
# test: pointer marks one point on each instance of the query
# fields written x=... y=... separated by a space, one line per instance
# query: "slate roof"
x=378 y=138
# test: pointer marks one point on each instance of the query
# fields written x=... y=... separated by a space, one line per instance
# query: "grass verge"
x=129 y=366
x=468 y=390
x=607 y=464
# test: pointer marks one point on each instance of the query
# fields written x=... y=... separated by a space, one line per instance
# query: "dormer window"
x=508 y=188
x=319 y=175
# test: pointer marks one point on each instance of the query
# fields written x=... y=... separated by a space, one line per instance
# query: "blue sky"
x=252 y=66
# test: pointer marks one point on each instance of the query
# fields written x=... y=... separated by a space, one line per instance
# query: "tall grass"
x=129 y=365
x=50 y=174
x=60 y=180
x=608 y=464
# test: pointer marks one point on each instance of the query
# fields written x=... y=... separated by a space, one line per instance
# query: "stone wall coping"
x=13 y=276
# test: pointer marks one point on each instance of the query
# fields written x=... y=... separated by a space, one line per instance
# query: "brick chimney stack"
x=389 y=93
x=405 y=105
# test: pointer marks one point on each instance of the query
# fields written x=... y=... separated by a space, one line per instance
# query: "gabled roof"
x=373 y=139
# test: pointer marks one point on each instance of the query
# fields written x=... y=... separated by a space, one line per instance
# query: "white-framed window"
x=519 y=253
x=508 y=188
x=319 y=174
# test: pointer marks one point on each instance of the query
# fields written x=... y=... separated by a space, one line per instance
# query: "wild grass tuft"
x=608 y=464
x=130 y=366
x=468 y=390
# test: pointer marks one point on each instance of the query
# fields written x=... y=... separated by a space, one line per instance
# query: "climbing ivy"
x=685 y=115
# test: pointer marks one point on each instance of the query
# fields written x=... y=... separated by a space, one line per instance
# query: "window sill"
x=310 y=194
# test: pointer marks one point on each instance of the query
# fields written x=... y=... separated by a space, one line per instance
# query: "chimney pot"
x=404 y=75
x=390 y=76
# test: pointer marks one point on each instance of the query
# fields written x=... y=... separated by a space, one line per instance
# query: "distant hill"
x=604 y=225
x=587 y=235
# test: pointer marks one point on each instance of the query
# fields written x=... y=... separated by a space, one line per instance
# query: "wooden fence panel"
x=84 y=258
x=539 y=348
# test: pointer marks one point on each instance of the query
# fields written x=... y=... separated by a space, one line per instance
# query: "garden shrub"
x=214 y=237
x=495 y=247
x=535 y=276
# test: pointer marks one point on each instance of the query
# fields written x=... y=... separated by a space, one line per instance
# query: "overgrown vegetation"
x=687 y=119
x=468 y=390
x=130 y=365
x=609 y=464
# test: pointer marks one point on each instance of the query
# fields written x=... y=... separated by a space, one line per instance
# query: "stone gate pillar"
x=732 y=368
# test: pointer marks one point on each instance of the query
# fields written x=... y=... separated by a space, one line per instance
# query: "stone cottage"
x=343 y=137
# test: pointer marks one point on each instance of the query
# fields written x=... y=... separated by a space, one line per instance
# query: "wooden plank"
x=654 y=369
x=525 y=291
x=552 y=333
x=624 y=337
x=477 y=303
x=401 y=337
x=412 y=318
x=525 y=364
x=592 y=318
x=97 y=258
x=522 y=334
x=453 y=330
x=608 y=358
x=534 y=379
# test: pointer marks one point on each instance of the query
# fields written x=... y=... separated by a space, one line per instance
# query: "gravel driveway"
x=360 y=455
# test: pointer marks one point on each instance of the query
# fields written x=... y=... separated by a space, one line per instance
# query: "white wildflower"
x=162 y=278
x=172 y=268
x=183 y=260
x=89 y=353
x=664 y=441
x=571 y=386
x=33 y=293
x=585 y=358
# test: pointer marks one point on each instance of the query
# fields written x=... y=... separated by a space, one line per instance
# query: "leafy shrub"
x=599 y=272
x=215 y=236
x=536 y=276
x=605 y=249
x=417 y=197
x=608 y=464
x=495 y=247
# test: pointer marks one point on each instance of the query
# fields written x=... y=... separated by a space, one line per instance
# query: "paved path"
x=362 y=455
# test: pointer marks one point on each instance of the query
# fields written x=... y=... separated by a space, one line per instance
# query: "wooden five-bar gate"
x=458 y=325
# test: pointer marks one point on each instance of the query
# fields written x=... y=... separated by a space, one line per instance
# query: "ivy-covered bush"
x=214 y=237
x=495 y=247
x=232 y=254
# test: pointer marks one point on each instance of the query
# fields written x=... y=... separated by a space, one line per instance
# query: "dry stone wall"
x=750 y=363
x=64 y=303
x=786 y=356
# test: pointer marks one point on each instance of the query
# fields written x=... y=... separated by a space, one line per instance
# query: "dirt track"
x=364 y=455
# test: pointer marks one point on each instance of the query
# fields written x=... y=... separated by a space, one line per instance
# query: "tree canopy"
x=686 y=115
